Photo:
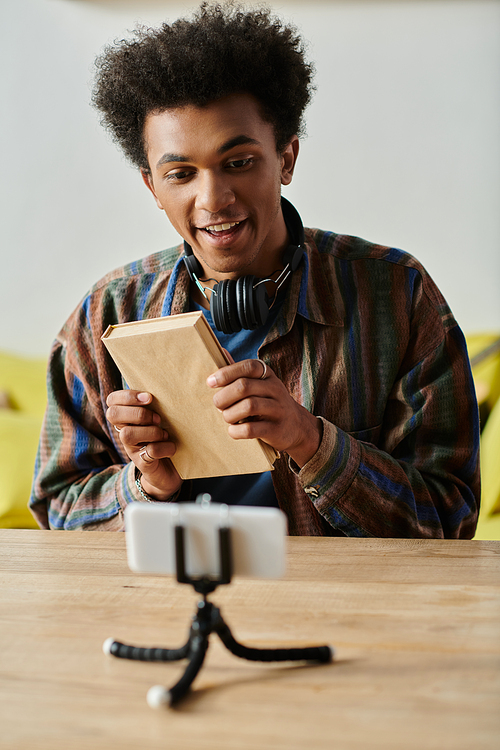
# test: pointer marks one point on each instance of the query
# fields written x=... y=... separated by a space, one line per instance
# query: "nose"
x=213 y=192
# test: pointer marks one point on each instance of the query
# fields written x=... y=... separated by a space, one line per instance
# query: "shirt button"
x=311 y=491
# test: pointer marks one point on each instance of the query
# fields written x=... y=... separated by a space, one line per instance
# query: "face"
x=216 y=173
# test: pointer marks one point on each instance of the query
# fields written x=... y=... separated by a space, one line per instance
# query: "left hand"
x=262 y=408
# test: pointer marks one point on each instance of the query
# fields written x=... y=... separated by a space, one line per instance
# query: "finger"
x=145 y=456
x=128 y=398
x=247 y=368
x=132 y=436
x=119 y=416
x=151 y=452
x=244 y=388
x=261 y=429
x=252 y=408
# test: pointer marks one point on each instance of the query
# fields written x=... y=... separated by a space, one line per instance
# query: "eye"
x=240 y=163
x=178 y=176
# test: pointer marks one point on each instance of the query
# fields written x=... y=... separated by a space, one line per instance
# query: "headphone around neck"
x=244 y=302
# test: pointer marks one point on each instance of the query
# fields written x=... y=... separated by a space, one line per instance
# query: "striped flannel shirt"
x=364 y=340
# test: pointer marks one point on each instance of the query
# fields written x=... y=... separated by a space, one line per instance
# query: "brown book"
x=171 y=358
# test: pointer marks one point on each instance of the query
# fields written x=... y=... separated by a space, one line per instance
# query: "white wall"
x=402 y=148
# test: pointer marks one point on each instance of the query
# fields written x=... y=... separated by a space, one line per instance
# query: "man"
x=357 y=375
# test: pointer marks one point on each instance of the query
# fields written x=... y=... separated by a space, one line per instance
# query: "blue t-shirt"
x=244 y=489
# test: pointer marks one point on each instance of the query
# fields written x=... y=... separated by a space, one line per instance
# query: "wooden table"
x=416 y=625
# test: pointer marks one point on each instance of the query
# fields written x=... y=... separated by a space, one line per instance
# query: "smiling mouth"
x=218 y=228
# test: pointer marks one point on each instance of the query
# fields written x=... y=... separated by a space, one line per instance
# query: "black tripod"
x=207 y=619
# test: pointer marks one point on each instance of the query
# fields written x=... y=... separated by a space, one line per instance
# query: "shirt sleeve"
x=416 y=475
x=83 y=477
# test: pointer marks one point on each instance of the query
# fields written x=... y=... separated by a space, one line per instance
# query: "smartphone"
x=257 y=538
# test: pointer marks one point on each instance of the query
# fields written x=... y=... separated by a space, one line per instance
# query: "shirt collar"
x=177 y=295
x=313 y=293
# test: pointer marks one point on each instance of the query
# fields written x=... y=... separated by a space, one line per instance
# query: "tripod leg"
x=322 y=654
x=123 y=651
x=199 y=646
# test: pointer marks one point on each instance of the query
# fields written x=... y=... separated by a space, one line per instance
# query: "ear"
x=148 y=181
x=289 y=159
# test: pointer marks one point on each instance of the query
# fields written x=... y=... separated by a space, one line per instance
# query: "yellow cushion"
x=488 y=527
x=23 y=380
x=489 y=517
x=19 y=435
x=490 y=462
x=487 y=372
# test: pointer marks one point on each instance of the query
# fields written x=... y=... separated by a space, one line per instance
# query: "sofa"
x=22 y=405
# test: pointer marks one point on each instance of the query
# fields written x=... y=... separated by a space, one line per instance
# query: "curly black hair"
x=222 y=50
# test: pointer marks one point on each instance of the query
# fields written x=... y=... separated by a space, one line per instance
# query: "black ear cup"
x=247 y=303
x=221 y=304
x=223 y=307
x=239 y=304
x=244 y=303
x=226 y=301
x=215 y=310
x=232 y=307
x=257 y=303
x=240 y=300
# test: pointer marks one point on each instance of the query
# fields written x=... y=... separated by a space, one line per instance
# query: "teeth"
x=221 y=227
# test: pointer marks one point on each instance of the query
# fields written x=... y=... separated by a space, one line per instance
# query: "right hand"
x=139 y=426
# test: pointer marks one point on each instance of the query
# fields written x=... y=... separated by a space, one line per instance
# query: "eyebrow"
x=238 y=140
x=167 y=158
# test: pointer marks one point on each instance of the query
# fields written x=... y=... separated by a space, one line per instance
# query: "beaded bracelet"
x=139 y=487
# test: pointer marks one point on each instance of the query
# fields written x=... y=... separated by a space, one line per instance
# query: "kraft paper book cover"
x=171 y=358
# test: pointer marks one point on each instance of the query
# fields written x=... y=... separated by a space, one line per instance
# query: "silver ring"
x=264 y=374
x=143 y=453
x=118 y=429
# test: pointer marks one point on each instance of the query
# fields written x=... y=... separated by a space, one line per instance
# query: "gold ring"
x=143 y=453
x=264 y=374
